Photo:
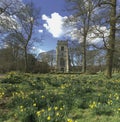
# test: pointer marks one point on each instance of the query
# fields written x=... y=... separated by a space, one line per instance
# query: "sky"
x=52 y=15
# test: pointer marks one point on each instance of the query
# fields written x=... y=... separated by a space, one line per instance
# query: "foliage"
x=59 y=98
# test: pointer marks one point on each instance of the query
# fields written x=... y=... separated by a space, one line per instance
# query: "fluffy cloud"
x=40 y=31
x=54 y=24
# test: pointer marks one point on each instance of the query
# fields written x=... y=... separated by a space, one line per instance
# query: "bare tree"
x=108 y=20
x=111 y=42
x=75 y=53
x=82 y=12
x=8 y=10
x=27 y=20
x=27 y=17
x=48 y=57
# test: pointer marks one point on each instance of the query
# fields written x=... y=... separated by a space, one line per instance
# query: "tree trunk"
x=111 y=43
x=84 y=55
x=26 y=61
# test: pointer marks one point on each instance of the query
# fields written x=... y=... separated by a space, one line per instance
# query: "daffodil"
x=56 y=108
x=49 y=109
x=42 y=110
x=69 y=120
x=34 y=104
x=43 y=96
x=57 y=114
x=48 y=118
x=38 y=113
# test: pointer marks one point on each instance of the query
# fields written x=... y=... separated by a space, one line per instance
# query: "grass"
x=59 y=98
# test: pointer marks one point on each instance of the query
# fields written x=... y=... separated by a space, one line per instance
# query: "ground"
x=59 y=98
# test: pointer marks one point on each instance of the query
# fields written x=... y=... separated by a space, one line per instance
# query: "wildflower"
x=21 y=110
x=117 y=97
x=56 y=108
x=38 y=113
x=61 y=109
x=21 y=107
x=43 y=96
x=48 y=118
x=57 y=114
x=34 y=105
x=62 y=86
x=49 y=108
x=118 y=109
x=2 y=93
x=93 y=105
x=42 y=110
x=109 y=102
x=69 y=120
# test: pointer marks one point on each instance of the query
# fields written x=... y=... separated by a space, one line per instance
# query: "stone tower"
x=62 y=56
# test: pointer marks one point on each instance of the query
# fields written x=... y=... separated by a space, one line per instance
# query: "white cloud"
x=37 y=50
x=41 y=51
x=40 y=31
x=98 y=33
x=34 y=48
x=54 y=24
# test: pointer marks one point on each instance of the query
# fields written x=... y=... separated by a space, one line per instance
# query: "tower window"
x=62 y=62
x=62 y=48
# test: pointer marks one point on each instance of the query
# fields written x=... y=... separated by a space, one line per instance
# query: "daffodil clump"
x=1 y=94
x=106 y=104
x=51 y=114
x=54 y=98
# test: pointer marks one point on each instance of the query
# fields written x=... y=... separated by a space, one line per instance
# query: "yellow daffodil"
x=34 y=105
x=48 y=118
x=56 y=108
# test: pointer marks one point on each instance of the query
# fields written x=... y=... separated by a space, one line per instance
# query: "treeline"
x=14 y=61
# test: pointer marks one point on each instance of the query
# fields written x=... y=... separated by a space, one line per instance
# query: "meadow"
x=59 y=98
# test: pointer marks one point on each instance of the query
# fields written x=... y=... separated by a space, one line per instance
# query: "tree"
x=116 y=59
x=82 y=11
x=75 y=53
x=6 y=62
x=27 y=19
x=111 y=41
x=8 y=10
x=109 y=7
x=48 y=57
x=26 y=16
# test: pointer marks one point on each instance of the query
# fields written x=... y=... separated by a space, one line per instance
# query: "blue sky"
x=52 y=15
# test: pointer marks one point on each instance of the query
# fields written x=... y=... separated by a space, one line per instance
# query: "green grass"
x=59 y=98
